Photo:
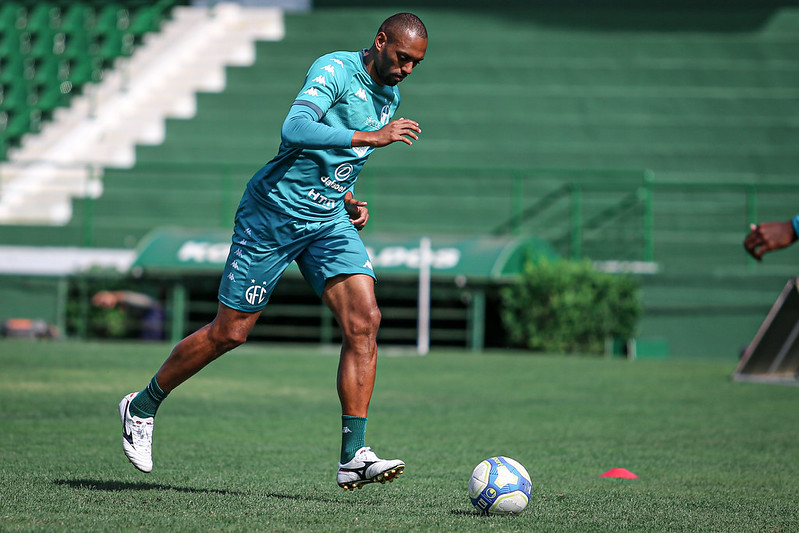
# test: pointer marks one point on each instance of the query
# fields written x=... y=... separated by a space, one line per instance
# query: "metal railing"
x=575 y=209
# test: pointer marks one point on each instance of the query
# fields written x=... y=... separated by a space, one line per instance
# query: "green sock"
x=353 y=436
x=146 y=403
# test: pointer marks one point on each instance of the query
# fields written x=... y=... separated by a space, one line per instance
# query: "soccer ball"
x=500 y=485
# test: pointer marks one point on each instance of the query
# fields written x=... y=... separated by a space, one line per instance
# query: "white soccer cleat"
x=137 y=436
x=366 y=467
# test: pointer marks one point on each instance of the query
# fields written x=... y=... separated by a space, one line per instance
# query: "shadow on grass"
x=117 y=486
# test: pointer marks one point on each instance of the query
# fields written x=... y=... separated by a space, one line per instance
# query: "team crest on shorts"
x=255 y=294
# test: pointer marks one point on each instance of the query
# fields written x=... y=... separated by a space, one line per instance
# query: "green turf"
x=251 y=443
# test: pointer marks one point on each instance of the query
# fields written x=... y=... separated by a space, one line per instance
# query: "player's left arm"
x=402 y=130
x=302 y=129
x=356 y=210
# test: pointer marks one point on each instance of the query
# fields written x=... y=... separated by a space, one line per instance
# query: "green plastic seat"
x=82 y=70
x=9 y=42
x=12 y=68
x=111 y=18
x=48 y=96
x=12 y=14
x=115 y=44
x=77 y=18
x=78 y=44
x=13 y=96
x=145 y=19
x=43 y=17
x=19 y=123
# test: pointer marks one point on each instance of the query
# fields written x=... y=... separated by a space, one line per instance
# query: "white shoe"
x=366 y=467
x=137 y=436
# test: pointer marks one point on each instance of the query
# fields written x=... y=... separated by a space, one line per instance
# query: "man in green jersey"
x=300 y=207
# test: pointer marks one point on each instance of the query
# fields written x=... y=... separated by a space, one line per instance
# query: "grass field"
x=251 y=443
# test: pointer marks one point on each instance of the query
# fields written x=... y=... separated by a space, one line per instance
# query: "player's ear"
x=381 y=40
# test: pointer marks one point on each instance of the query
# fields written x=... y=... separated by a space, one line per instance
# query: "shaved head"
x=400 y=24
x=400 y=45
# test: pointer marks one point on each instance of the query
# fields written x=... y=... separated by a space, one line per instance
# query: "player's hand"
x=768 y=236
x=402 y=130
x=357 y=211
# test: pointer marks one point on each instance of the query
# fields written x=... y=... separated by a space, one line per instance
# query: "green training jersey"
x=308 y=180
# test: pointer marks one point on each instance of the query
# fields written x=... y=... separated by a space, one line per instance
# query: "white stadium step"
x=102 y=127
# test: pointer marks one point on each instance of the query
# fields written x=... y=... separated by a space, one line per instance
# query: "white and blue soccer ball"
x=500 y=485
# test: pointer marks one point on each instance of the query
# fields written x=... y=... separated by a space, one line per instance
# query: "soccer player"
x=770 y=236
x=300 y=207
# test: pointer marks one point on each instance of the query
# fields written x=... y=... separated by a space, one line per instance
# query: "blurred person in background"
x=146 y=313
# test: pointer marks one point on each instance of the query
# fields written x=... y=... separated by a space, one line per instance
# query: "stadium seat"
x=13 y=68
x=12 y=14
x=111 y=18
x=114 y=44
x=50 y=49
x=78 y=18
x=13 y=96
x=18 y=124
x=43 y=17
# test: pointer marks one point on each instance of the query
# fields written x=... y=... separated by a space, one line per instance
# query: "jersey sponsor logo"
x=312 y=92
x=361 y=93
x=255 y=294
x=332 y=184
x=321 y=200
x=343 y=171
x=320 y=80
x=385 y=115
x=360 y=150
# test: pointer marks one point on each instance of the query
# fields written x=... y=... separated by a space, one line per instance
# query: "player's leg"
x=352 y=300
x=137 y=410
x=251 y=272
x=337 y=266
x=228 y=330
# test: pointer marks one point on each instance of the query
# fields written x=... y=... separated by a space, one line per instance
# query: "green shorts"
x=266 y=242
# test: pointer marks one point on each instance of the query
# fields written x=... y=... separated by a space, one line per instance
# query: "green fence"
x=602 y=214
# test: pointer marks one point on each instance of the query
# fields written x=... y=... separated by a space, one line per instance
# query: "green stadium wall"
x=670 y=125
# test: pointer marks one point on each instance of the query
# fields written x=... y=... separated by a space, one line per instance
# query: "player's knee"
x=363 y=324
x=227 y=338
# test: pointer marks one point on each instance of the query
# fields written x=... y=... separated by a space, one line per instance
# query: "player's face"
x=397 y=57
